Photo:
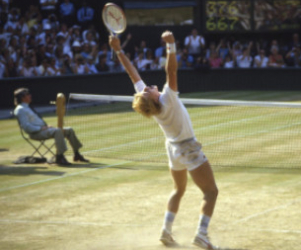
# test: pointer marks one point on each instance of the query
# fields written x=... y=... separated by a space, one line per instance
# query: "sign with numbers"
x=228 y=15
x=251 y=15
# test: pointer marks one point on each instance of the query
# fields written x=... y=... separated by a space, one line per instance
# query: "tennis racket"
x=114 y=18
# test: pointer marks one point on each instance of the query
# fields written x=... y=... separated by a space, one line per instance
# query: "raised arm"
x=130 y=69
x=171 y=66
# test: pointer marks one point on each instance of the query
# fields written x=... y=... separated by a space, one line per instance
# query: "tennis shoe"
x=167 y=239
x=203 y=241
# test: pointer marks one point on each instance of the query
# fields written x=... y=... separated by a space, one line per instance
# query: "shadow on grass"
x=81 y=165
x=178 y=246
x=233 y=249
x=28 y=170
x=3 y=149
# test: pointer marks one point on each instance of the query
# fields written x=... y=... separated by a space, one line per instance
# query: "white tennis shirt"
x=174 y=119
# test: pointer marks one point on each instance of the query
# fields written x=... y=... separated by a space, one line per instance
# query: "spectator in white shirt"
x=22 y=26
x=89 y=38
x=66 y=33
x=13 y=48
x=194 y=43
x=28 y=68
x=228 y=63
x=79 y=66
x=5 y=36
x=236 y=49
x=90 y=64
x=261 y=60
x=162 y=59
x=245 y=60
x=42 y=68
x=76 y=33
x=141 y=63
x=12 y=18
x=52 y=20
x=42 y=36
x=53 y=70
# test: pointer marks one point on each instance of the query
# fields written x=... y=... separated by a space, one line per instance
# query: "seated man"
x=37 y=128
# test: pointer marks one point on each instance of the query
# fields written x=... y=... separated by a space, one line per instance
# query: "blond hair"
x=146 y=106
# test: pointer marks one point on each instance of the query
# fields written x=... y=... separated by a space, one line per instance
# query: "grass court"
x=117 y=203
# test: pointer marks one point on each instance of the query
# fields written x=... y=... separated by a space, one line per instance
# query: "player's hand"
x=168 y=37
x=114 y=43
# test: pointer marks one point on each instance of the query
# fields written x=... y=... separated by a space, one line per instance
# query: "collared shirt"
x=195 y=44
x=28 y=119
x=244 y=62
x=85 y=14
x=264 y=61
x=67 y=9
x=174 y=119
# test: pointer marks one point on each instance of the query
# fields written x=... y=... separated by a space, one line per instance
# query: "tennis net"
x=233 y=133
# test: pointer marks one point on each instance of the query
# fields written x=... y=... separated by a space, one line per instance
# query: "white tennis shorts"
x=187 y=154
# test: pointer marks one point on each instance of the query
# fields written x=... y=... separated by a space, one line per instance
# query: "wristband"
x=171 y=48
x=139 y=86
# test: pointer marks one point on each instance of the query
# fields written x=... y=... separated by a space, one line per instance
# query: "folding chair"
x=41 y=149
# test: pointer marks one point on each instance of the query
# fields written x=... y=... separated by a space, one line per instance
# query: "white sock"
x=168 y=221
x=203 y=224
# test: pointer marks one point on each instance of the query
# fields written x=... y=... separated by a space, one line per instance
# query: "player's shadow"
x=28 y=170
x=179 y=246
x=83 y=165
x=233 y=249
x=192 y=247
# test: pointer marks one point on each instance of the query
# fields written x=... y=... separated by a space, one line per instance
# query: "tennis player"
x=183 y=150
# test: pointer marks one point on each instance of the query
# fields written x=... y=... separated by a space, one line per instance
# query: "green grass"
x=118 y=204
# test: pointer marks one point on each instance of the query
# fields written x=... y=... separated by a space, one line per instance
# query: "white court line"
x=277 y=231
x=73 y=223
x=61 y=177
x=266 y=212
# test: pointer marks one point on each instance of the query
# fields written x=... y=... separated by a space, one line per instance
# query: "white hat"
x=76 y=44
x=47 y=26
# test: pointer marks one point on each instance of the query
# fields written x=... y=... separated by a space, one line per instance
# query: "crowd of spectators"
x=58 y=38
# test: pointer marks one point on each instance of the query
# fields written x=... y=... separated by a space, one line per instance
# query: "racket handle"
x=113 y=55
x=112 y=51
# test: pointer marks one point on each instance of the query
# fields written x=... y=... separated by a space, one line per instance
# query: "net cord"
x=186 y=101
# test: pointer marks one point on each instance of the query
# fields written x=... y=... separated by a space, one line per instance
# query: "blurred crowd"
x=233 y=53
x=58 y=37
